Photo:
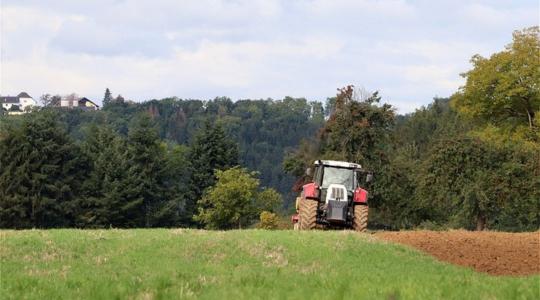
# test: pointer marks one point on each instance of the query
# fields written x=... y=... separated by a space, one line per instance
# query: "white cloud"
x=410 y=51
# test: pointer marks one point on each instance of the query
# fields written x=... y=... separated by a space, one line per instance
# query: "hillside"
x=178 y=263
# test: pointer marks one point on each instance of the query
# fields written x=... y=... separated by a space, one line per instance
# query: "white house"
x=15 y=105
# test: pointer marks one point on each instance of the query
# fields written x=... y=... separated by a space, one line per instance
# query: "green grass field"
x=248 y=264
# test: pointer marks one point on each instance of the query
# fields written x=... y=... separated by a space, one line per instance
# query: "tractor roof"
x=339 y=164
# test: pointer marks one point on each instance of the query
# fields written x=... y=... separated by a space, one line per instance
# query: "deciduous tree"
x=230 y=202
x=504 y=89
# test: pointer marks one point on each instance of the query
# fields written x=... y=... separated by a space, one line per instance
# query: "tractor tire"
x=360 y=218
x=308 y=214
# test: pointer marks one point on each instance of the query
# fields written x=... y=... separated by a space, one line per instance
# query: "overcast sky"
x=410 y=51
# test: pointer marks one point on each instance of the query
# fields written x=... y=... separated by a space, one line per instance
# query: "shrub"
x=268 y=220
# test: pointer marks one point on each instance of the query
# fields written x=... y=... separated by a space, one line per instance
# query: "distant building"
x=72 y=101
x=88 y=104
x=15 y=105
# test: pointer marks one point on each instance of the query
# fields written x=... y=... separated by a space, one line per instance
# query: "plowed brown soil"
x=496 y=253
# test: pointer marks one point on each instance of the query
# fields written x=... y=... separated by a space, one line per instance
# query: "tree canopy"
x=505 y=88
x=230 y=203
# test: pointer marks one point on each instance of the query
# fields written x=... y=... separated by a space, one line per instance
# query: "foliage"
x=48 y=100
x=210 y=151
x=263 y=129
x=41 y=173
x=504 y=88
x=396 y=202
x=269 y=200
x=356 y=131
x=106 y=180
x=268 y=220
x=235 y=200
x=460 y=177
x=358 y=128
x=107 y=98
x=104 y=188
x=230 y=203
x=176 y=181
x=146 y=159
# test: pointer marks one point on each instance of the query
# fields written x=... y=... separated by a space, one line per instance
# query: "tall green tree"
x=211 y=150
x=358 y=128
x=106 y=198
x=503 y=89
x=176 y=182
x=413 y=136
x=230 y=202
x=472 y=183
x=41 y=173
x=357 y=131
x=107 y=98
x=146 y=157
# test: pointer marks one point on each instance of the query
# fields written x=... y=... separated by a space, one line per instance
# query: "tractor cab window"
x=338 y=176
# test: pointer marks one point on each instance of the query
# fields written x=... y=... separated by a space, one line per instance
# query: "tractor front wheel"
x=360 y=218
x=308 y=214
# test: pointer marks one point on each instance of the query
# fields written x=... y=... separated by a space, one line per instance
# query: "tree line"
x=468 y=161
x=263 y=129
x=47 y=179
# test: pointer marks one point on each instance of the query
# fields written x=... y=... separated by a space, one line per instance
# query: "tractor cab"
x=340 y=178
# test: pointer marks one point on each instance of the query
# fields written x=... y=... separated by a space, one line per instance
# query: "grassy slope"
x=154 y=264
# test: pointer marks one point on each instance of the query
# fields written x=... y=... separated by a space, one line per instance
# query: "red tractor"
x=335 y=198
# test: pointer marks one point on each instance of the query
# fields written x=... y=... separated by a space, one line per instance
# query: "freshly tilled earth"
x=495 y=253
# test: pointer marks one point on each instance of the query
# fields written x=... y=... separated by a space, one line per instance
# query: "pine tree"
x=41 y=172
x=114 y=195
x=107 y=98
x=176 y=181
x=106 y=152
x=212 y=150
x=119 y=99
x=130 y=184
x=146 y=171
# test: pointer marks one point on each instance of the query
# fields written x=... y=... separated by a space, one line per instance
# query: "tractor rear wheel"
x=360 y=218
x=308 y=214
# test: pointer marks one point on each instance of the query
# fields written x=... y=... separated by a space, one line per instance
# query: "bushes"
x=235 y=200
x=268 y=220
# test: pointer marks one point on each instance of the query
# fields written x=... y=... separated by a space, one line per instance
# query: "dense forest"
x=188 y=139
x=470 y=161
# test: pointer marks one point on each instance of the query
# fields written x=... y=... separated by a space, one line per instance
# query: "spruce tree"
x=211 y=150
x=102 y=205
x=131 y=183
x=107 y=98
x=146 y=172
x=176 y=181
x=41 y=172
